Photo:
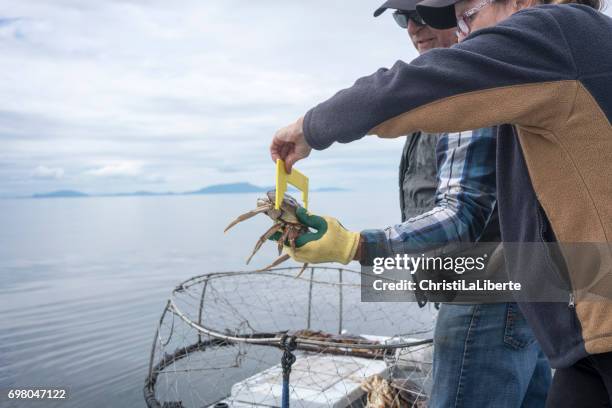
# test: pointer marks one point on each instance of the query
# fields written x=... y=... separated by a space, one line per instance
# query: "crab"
x=285 y=222
x=393 y=393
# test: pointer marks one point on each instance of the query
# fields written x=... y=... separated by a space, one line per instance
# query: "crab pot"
x=220 y=341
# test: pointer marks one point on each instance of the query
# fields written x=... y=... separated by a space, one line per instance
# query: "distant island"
x=230 y=188
x=60 y=193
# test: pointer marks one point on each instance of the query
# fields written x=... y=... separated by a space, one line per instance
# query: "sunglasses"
x=402 y=17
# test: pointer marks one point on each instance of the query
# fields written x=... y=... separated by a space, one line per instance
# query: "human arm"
x=464 y=201
x=518 y=72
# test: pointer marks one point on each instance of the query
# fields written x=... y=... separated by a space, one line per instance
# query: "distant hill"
x=60 y=193
x=231 y=188
x=234 y=188
x=328 y=189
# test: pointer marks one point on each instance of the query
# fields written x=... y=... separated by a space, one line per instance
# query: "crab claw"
x=248 y=215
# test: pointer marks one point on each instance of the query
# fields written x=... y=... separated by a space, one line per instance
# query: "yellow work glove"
x=330 y=243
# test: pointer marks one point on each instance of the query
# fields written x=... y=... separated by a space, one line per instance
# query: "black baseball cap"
x=403 y=5
x=439 y=14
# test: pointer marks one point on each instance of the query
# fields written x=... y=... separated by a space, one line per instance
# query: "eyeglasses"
x=463 y=21
x=402 y=17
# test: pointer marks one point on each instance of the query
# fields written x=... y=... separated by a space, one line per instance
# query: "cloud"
x=120 y=169
x=4 y=22
x=154 y=179
x=133 y=171
x=191 y=89
x=122 y=94
x=48 y=173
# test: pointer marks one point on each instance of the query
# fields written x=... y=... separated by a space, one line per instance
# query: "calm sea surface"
x=84 y=280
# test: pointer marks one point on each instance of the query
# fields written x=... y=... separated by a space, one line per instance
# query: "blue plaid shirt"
x=465 y=200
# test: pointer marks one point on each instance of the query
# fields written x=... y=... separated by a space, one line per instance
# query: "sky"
x=118 y=96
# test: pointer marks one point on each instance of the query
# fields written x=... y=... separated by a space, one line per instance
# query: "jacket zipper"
x=571 y=304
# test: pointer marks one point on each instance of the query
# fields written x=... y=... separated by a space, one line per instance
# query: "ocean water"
x=84 y=280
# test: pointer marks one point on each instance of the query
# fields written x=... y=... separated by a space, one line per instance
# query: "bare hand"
x=290 y=145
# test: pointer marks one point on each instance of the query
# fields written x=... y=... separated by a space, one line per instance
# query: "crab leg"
x=263 y=239
x=292 y=237
x=302 y=270
x=248 y=215
x=282 y=239
x=278 y=261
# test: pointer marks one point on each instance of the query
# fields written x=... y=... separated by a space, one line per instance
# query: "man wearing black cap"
x=513 y=371
x=423 y=36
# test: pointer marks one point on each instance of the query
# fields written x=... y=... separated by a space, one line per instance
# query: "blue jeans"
x=485 y=355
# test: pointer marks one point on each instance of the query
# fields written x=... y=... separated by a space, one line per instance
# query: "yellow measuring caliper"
x=296 y=179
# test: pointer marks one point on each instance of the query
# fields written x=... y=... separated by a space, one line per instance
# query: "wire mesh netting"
x=220 y=341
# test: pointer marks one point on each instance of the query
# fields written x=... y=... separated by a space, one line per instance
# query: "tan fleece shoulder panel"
x=527 y=104
x=560 y=187
x=571 y=172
